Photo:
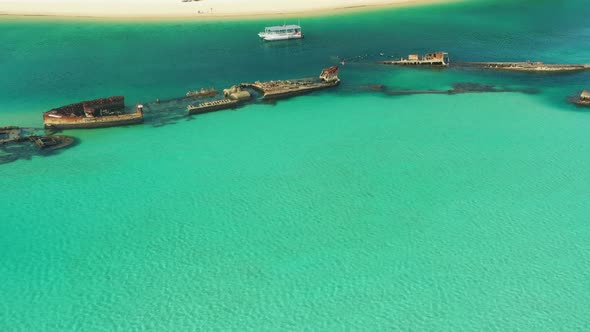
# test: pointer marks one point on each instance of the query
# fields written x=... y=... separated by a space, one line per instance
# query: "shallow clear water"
x=337 y=210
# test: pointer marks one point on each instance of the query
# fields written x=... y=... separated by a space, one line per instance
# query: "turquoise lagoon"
x=341 y=210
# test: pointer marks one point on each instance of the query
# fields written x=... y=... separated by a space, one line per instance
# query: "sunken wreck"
x=527 y=66
x=17 y=142
x=97 y=113
x=203 y=93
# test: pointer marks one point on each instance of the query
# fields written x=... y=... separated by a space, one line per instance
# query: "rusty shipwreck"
x=23 y=143
x=97 y=113
x=440 y=59
x=288 y=88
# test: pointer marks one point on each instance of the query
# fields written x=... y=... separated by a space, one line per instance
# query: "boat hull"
x=296 y=92
x=88 y=123
x=278 y=38
x=212 y=108
x=288 y=90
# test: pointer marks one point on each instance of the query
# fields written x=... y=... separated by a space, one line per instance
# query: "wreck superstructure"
x=430 y=59
x=97 y=113
x=288 y=88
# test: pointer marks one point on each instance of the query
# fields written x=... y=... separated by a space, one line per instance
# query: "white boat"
x=281 y=32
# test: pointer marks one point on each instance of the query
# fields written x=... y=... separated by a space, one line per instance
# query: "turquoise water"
x=335 y=211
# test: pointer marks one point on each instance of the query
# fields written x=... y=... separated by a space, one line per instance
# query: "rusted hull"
x=287 y=94
x=115 y=104
x=89 y=123
x=288 y=91
x=50 y=143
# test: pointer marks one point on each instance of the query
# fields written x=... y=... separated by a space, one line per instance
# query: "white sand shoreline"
x=203 y=9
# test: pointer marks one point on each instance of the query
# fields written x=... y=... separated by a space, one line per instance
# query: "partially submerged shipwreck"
x=233 y=97
x=271 y=90
x=288 y=88
x=13 y=134
x=17 y=142
x=440 y=59
x=97 y=113
x=527 y=66
x=211 y=106
x=203 y=93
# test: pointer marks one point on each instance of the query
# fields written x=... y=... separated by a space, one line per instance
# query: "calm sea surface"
x=342 y=210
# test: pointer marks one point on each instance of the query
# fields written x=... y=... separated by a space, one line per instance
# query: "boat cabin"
x=585 y=95
x=283 y=29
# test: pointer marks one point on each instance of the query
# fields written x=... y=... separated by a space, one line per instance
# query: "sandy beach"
x=203 y=9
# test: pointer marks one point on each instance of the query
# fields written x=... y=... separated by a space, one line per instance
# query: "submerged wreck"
x=17 y=142
x=440 y=59
x=203 y=93
x=528 y=66
x=457 y=88
x=288 y=88
x=97 y=113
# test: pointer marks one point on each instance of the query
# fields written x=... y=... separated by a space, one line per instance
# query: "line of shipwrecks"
x=16 y=142
x=442 y=60
x=111 y=111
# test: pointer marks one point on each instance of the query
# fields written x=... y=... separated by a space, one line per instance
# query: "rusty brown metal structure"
x=430 y=59
x=212 y=106
x=288 y=88
x=97 y=113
